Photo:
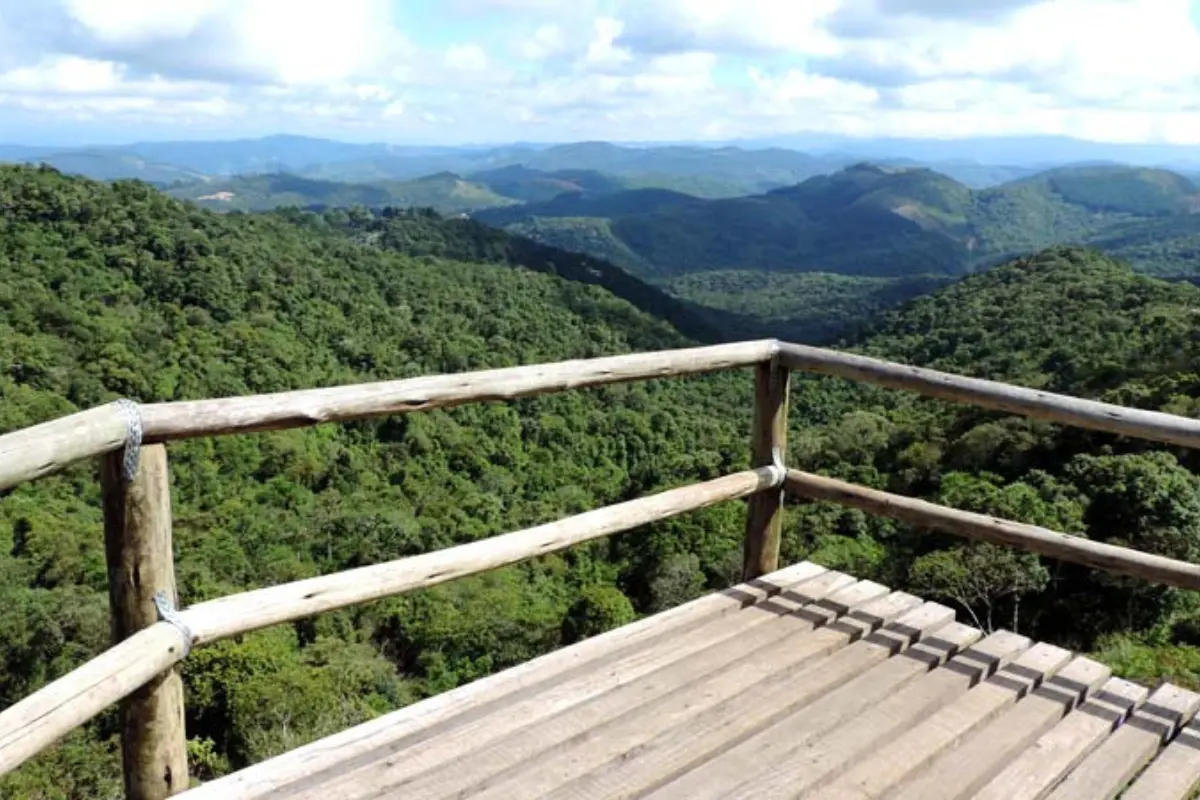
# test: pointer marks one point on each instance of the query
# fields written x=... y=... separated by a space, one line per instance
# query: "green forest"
x=117 y=290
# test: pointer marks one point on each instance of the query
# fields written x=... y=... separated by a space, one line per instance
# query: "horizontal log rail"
x=46 y=448
x=1152 y=425
x=984 y=528
x=45 y=716
x=30 y=725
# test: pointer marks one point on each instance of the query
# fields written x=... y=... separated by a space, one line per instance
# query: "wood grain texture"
x=33 y=724
x=241 y=613
x=753 y=734
x=1153 y=425
x=980 y=527
x=182 y=420
x=1060 y=750
x=1108 y=768
x=768 y=441
x=49 y=447
x=417 y=771
x=137 y=546
x=960 y=773
x=638 y=753
x=391 y=732
x=1175 y=774
x=879 y=775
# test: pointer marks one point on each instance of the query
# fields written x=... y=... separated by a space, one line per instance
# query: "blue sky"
x=454 y=71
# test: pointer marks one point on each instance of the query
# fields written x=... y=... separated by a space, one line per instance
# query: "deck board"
x=804 y=683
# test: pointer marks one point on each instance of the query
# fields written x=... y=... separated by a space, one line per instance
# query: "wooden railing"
x=151 y=636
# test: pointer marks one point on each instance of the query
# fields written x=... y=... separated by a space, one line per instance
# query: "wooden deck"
x=807 y=683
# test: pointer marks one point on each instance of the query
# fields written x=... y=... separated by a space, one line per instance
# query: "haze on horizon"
x=490 y=71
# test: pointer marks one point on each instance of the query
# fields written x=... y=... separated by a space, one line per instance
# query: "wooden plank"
x=980 y=527
x=1175 y=774
x=629 y=756
x=137 y=543
x=1152 y=425
x=434 y=715
x=1032 y=773
x=890 y=765
x=961 y=772
x=749 y=737
x=827 y=756
x=248 y=611
x=33 y=724
x=722 y=653
x=182 y=420
x=49 y=447
x=1106 y=771
x=768 y=443
x=397 y=773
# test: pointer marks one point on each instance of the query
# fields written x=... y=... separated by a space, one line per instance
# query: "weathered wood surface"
x=1031 y=774
x=704 y=765
x=980 y=527
x=249 y=611
x=961 y=772
x=817 y=689
x=51 y=712
x=1108 y=768
x=1175 y=774
x=181 y=420
x=409 y=773
x=888 y=766
x=49 y=447
x=550 y=770
x=137 y=542
x=1153 y=425
x=392 y=732
x=768 y=443
x=31 y=725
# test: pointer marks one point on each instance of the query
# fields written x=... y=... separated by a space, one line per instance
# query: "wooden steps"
x=805 y=683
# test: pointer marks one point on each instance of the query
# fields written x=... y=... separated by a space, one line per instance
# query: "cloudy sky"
x=454 y=71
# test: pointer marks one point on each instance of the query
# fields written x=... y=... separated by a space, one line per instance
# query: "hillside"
x=117 y=290
x=873 y=220
x=112 y=290
x=1065 y=320
x=446 y=193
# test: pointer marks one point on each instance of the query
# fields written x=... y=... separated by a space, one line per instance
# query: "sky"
x=487 y=71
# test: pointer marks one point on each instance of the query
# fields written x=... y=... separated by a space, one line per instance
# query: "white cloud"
x=544 y=69
x=64 y=75
x=301 y=42
x=546 y=42
x=603 y=51
x=466 y=57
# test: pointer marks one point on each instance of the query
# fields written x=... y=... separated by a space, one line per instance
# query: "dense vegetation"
x=801 y=306
x=868 y=220
x=444 y=192
x=116 y=290
x=113 y=290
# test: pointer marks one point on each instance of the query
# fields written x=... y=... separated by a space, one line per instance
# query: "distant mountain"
x=101 y=164
x=866 y=220
x=1038 y=152
x=536 y=186
x=445 y=192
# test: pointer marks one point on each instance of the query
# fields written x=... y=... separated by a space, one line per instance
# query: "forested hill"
x=111 y=290
x=1067 y=320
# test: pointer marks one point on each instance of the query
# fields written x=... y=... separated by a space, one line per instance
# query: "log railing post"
x=137 y=538
x=768 y=442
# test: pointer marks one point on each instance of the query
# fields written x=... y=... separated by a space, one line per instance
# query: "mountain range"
x=118 y=290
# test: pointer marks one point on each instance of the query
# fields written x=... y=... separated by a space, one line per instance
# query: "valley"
x=122 y=289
